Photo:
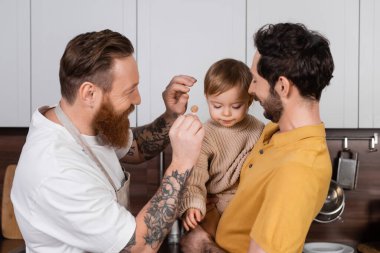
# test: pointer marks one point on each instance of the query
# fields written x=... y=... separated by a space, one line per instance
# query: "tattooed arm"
x=155 y=220
x=151 y=139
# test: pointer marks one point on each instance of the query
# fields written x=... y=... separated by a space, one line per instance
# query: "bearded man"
x=285 y=179
x=70 y=193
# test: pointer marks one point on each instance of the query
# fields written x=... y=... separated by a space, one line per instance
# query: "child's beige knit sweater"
x=223 y=153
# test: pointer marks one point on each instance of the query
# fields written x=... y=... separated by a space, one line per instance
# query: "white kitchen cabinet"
x=369 y=62
x=184 y=37
x=338 y=20
x=174 y=37
x=55 y=22
x=14 y=63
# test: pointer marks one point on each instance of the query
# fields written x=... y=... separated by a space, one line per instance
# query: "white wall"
x=184 y=37
x=174 y=37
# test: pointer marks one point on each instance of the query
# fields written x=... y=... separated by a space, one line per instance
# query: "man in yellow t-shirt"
x=283 y=186
x=285 y=179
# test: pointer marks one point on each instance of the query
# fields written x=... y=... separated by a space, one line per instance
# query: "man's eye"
x=131 y=91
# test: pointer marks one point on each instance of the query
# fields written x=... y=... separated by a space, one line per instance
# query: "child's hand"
x=191 y=219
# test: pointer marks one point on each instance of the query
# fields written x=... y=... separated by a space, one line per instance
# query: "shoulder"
x=254 y=128
x=303 y=169
x=294 y=181
x=50 y=152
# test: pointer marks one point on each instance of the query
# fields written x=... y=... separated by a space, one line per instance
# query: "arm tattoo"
x=130 y=244
x=153 y=138
x=162 y=213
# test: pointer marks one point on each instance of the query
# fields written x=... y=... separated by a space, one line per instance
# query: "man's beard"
x=272 y=105
x=111 y=127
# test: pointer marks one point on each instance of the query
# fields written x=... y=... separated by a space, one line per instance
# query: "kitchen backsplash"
x=360 y=221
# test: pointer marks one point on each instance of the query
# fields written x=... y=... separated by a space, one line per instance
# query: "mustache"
x=130 y=109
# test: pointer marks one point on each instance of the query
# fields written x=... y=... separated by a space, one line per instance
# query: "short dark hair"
x=226 y=74
x=301 y=55
x=89 y=57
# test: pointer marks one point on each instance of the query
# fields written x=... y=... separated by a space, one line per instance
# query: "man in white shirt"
x=69 y=186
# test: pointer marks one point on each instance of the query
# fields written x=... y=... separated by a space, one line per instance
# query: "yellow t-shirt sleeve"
x=287 y=210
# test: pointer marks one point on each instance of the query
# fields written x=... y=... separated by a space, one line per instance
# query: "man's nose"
x=137 y=98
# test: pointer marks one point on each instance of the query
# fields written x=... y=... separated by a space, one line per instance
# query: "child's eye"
x=217 y=106
x=236 y=106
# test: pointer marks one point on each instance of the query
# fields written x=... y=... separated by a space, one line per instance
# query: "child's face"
x=228 y=108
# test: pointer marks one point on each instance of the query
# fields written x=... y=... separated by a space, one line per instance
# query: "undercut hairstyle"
x=226 y=74
x=301 y=55
x=89 y=57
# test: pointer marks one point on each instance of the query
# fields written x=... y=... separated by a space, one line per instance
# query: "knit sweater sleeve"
x=195 y=192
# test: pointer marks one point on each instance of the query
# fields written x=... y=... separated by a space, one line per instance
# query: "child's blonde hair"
x=226 y=74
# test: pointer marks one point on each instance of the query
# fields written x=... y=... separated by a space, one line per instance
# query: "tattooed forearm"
x=153 y=138
x=162 y=213
x=130 y=244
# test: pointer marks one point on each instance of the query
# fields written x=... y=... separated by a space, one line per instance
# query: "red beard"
x=111 y=127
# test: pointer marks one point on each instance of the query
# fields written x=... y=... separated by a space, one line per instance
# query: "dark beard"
x=272 y=105
x=111 y=127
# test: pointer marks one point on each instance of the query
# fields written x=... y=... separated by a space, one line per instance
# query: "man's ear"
x=87 y=93
x=283 y=86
